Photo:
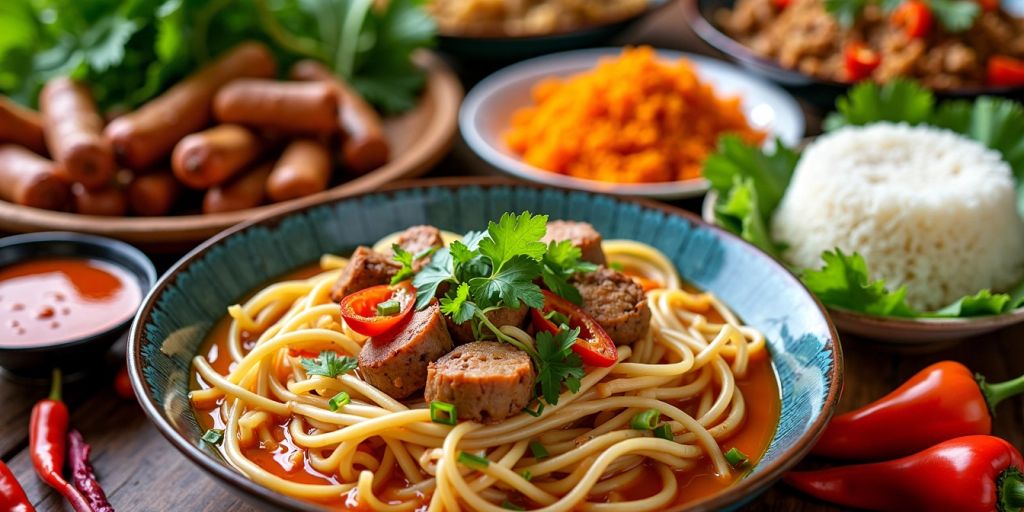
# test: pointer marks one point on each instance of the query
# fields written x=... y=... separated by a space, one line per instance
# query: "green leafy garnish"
x=559 y=364
x=845 y=12
x=953 y=15
x=508 y=505
x=560 y=262
x=750 y=183
x=645 y=420
x=443 y=413
x=408 y=261
x=328 y=364
x=736 y=458
x=664 y=431
x=129 y=52
x=534 y=412
x=527 y=475
x=213 y=436
x=338 y=401
x=538 y=450
x=389 y=307
x=472 y=460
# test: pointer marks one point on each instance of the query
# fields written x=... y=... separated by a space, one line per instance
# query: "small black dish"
x=74 y=355
x=820 y=92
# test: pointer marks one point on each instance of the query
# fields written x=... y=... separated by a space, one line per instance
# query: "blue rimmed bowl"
x=194 y=294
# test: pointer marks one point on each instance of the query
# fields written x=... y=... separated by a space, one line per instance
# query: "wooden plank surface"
x=142 y=472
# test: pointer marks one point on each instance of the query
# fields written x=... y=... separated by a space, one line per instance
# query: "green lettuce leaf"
x=899 y=101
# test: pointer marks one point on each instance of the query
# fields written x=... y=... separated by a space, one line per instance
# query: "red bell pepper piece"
x=1005 y=71
x=914 y=16
x=360 y=311
x=594 y=345
x=859 y=61
x=942 y=401
x=12 y=495
x=782 y=4
x=965 y=474
x=48 y=430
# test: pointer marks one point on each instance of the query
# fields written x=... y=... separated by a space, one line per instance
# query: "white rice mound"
x=926 y=207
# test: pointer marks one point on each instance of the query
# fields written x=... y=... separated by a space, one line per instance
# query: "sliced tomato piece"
x=860 y=61
x=361 y=313
x=1005 y=71
x=593 y=345
x=914 y=16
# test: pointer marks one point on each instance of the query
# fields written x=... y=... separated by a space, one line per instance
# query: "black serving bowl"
x=76 y=354
x=700 y=14
x=504 y=48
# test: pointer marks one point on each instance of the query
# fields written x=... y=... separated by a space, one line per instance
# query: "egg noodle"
x=594 y=454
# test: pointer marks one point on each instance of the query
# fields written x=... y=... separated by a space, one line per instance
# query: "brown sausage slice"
x=581 y=234
x=21 y=126
x=365 y=268
x=296 y=107
x=74 y=135
x=211 y=157
x=303 y=169
x=617 y=302
x=364 y=146
x=141 y=138
x=487 y=381
x=242 y=192
x=31 y=180
x=396 y=362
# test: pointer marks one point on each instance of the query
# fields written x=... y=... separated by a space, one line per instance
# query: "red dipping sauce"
x=52 y=300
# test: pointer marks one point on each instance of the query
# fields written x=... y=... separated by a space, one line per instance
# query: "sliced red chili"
x=860 y=61
x=782 y=4
x=914 y=16
x=363 y=313
x=1005 y=71
x=593 y=345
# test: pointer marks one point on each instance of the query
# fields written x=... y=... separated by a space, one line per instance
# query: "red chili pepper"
x=942 y=401
x=859 y=61
x=989 y=5
x=593 y=345
x=360 y=311
x=12 y=495
x=83 y=475
x=48 y=429
x=1005 y=71
x=914 y=16
x=966 y=474
x=123 y=384
x=782 y=4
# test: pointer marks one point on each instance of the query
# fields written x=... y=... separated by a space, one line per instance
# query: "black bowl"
x=73 y=355
x=821 y=92
x=498 y=48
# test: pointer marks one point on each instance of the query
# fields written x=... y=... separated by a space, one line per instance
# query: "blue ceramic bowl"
x=194 y=294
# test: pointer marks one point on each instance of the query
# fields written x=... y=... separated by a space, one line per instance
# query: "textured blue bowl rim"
x=736 y=494
x=146 y=278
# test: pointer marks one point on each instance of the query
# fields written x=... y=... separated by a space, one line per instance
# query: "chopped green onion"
x=527 y=475
x=736 y=458
x=557 y=318
x=388 y=308
x=646 y=420
x=535 y=412
x=664 y=431
x=508 y=505
x=443 y=413
x=340 y=400
x=539 y=452
x=472 y=460
x=616 y=266
x=213 y=436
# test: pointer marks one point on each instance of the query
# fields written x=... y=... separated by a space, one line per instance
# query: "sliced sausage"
x=581 y=234
x=416 y=240
x=396 y=362
x=616 y=301
x=365 y=268
x=487 y=381
x=463 y=333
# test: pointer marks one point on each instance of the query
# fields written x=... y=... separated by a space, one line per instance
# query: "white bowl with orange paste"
x=636 y=123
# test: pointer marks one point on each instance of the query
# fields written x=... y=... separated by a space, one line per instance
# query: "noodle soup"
x=707 y=376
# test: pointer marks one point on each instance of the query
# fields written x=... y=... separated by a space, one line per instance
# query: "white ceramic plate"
x=488 y=109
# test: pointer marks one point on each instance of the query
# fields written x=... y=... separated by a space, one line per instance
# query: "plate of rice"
x=905 y=218
x=633 y=121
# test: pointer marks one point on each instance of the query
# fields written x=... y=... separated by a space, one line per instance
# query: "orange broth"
x=760 y=390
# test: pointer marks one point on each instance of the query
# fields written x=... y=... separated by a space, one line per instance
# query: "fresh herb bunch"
x=130 y=51
x=954 y=15
x=499 y=268
x=328 y=364
x=750 y=184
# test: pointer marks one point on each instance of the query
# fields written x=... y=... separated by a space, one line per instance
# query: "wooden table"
x=142 y=472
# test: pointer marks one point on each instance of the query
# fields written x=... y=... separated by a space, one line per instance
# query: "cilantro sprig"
x=329 y=364
x=750 y=183
x=500 y=268
x=953 y=15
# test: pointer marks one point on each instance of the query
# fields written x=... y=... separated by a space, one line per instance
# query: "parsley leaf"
x=770 y=171
x=899 y=101
x=459 y=307
x=510 y=285
x=514 y=236
x=560 y=262
x=845 y=12
x=558 y=364
x=328 y=364
x=408 y=262
x=844 y=282
x=426 y=281
x=955 y=15
x=739 y=213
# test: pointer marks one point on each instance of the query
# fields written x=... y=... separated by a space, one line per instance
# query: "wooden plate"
x=418 y=138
